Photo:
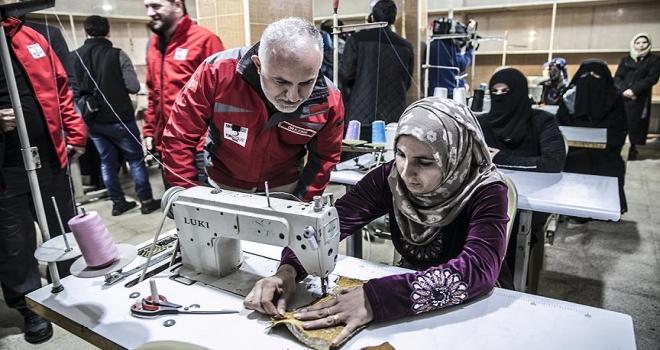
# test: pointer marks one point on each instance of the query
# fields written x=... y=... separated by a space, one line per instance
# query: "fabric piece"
x=455 y=138
x=319 y=339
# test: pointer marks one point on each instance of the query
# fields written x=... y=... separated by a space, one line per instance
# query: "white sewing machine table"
x=585 y=137
x=501 y=320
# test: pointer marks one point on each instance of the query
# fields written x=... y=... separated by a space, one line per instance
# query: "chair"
x=512 y=207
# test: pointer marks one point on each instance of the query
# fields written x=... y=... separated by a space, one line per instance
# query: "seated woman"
x=450 y=209
x=520 y=137
x=592 y=101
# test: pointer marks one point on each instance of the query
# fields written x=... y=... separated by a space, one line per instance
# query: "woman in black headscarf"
x=592 y=101
x=520 y=137
x=634 y=79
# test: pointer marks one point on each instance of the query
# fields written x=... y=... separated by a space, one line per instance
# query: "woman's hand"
x=7 y=120
x=629 y=94
x=270 y=295
x=351 y=308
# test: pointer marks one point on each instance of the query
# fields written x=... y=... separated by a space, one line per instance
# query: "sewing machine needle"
x=324 y=286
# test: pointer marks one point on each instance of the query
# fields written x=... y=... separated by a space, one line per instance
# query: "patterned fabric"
x=455 y=138
x=435 y=289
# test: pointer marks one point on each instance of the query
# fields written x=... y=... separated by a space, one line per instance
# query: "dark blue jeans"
x=112 y=139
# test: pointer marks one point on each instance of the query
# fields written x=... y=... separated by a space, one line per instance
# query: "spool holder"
x=127 y=253
x=55 y=249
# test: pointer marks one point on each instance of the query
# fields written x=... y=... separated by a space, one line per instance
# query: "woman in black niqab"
x=592 y=101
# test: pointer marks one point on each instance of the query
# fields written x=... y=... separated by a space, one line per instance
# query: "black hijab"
x=509 y=113
x=595 y=96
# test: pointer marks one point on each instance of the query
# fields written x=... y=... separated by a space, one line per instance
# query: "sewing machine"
x=211 y=223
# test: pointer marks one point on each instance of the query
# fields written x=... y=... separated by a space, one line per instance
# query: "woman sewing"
x=449 y=206
x=520 y=137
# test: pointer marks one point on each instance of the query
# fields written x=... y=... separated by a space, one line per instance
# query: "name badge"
x=180 y=54
x=236 y=133
x=36 y=51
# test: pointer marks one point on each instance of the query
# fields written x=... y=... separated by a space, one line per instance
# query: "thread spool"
x=459 y=95
x=353 y=131
x=378 y=132
x=96 y=244
x=477 y=101
x=440 y=92
x=390 y=134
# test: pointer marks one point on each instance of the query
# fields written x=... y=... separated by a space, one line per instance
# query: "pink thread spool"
x=96 y=244
x=353 y=131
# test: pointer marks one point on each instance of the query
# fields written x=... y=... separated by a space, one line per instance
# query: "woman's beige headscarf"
x=637 y=54
x=455 y=138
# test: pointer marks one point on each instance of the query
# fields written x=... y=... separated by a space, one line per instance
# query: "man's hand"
x=270 y=295
x=149 y=143
x=75 y=151
x=7 y=119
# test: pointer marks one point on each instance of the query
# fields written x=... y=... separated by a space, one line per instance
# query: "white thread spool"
x=440 y=92
x=459 y=95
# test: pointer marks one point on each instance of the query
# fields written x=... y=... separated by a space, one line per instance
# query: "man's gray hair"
x=291 y=34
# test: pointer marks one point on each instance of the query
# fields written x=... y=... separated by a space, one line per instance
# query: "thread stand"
x=56 y=249
x=127 y=253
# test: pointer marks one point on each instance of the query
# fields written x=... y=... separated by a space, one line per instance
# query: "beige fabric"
x=455 y=138
x=319 y=339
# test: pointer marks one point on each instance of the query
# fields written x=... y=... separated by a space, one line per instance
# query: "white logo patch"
x=235 y=133
x=296 y=129
x=180 y=54
x=36 y=51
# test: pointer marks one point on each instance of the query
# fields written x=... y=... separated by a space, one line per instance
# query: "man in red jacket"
x=266 y=108
x=47 y=105
x=176 y=49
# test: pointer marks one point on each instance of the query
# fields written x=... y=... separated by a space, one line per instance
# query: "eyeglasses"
x=502 y=91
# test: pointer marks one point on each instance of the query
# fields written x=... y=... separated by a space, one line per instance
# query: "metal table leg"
x=522 y=250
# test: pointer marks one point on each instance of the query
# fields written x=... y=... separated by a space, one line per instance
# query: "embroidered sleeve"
x=435 y=289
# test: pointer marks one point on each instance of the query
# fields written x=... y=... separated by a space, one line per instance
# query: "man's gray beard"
x=274 y=102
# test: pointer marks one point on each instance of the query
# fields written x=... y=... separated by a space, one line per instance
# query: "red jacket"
x=249 y=141
x=50 y=85
x=189 y=45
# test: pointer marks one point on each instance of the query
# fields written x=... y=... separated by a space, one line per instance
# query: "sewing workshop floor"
x=610 y=265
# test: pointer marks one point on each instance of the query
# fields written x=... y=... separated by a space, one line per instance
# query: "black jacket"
x=543 y=150
x=376 y=68
x=103 y=63
x=640 y=77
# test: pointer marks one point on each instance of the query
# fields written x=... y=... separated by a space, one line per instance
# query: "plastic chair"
x=512 y=207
